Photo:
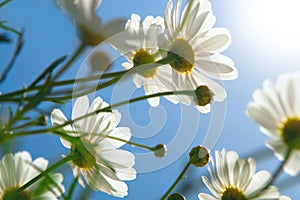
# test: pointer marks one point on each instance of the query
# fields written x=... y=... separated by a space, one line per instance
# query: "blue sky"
x=263 y=46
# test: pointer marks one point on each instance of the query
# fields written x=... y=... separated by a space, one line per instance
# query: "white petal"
x=58 y=118
x=217 y=66
x=292 y=166
x=203 y=196
x=262 y=116
x=113 y=27
x=270 y=193
x=80 y=109
x=279 y=148
x=118 y=158
x=119 y=132
x=217 y=40
x=258 y=182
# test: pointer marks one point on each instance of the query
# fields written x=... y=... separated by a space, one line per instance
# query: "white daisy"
x=83 y=13
x=139 y=46
x=276 y=108
x=17 y=170
x=234 y=178
x=112 y=165
x=196 y=46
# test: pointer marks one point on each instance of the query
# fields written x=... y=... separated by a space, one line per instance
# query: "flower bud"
x=90 y=38
x=203 y=95
x=160 y=150
x=199 y=156
x=99 y=62
x=176 y=196
x=42 y=120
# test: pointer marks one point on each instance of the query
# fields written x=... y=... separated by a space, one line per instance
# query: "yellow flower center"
x=290 y=132
x=12 y=194
x=85 y=160
x=232 y=193
x=184 y=56
x=141 y=57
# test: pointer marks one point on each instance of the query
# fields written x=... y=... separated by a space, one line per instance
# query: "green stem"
x=7 y=97
x=278 y=170
x=72 y=188
x=280 y=167
x=47 y=171
x=115 y=75
x=179 y=178
x=77 y=52
x=106 y=109
x=7 y=28
x=130 y=143
x=4 y=2
x=118 y=76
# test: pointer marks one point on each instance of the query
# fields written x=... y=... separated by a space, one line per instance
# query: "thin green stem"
x=7 y=28
x=116 y=75
x=280 y=167
x=278 y=170
x=72 y=188
x=179 y=178
x=4 y=3
x=77 y=52
x=106 y=109
x=7 y=97
x=82 y=134
x=44 y=173
x=72 y=96
x=13 y=59
x=131 y=143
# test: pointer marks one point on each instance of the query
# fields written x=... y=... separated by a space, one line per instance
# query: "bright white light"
x=273 y=24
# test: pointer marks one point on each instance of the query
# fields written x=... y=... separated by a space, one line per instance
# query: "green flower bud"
x=199 y=156
x=203 y=95
x=176 y=196
x=160 y=150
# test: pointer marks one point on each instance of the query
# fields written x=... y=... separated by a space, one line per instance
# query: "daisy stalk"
x=280 y=167
x=81 y=148
x=106 y=109
x=116 y=76
x=44 y=173
x=134 y=144
x=43 y=91
x=178 y=179
x=199 y=157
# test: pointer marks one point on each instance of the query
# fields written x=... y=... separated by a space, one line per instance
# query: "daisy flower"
x=112 y=166
x=196 y=46
x=234 y=178
x=139 y=45
x=90 y=29
x=18 y=169
x=276 y=108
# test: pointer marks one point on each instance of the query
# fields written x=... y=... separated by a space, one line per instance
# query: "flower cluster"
x=190 y=48
x=178 y=57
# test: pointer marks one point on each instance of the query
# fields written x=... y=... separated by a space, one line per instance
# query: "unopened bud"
x=203 y=95
x=176 y=196
x=90 y=38
x=99 y=62
x=160 y=150
x=42 y=120
x=199 y=156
